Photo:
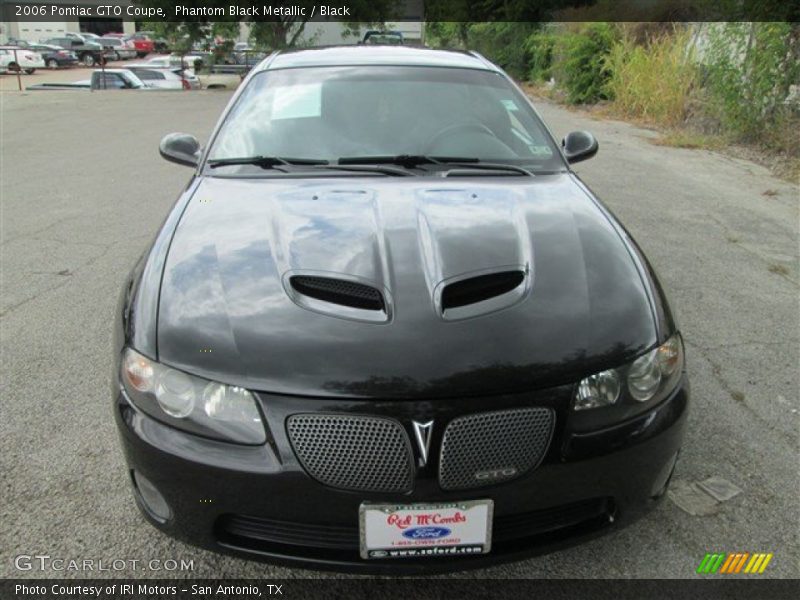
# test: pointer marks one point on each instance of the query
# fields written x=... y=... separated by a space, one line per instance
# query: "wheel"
x=88 y=60
x=30 y=71
x=141 y=54
x=13 y=67
x=117 y=56
x=52 y=63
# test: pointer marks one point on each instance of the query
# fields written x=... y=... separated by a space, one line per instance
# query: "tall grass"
x=652 y=81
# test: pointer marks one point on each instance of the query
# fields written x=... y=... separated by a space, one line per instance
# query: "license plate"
x=425 y=530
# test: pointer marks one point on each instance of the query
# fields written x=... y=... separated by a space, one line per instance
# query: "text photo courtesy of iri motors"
x=500 y=303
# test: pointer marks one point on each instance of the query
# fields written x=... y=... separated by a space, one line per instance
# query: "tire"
x=52 y=63
x=88 y=60
x=30 y=71
x=141 y=54
x=13 y=67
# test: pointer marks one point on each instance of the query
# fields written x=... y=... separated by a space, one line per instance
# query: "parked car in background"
x=240 y=50
x=188 y=61
x=55 y=57
x=89 y=53
x=244 y=54
x=13 y=58
x=166 y=78
x=120 y=48
x=144 y=45
x=384 y=38
x=159 y=44
x=108 y=51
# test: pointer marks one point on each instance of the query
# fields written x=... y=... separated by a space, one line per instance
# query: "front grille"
x=488 y=448
x=255 y=532
x=286 y=532
x=352 y=452
x=338 y=291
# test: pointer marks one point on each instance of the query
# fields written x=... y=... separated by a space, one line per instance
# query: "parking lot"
x=83 y=190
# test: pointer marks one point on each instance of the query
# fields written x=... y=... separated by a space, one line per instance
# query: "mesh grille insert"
x=338 y=291
x=478 y=289
x=354 y=453
x=489 y=448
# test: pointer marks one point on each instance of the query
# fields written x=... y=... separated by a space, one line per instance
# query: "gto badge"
x=422 y=433
x=491 y=474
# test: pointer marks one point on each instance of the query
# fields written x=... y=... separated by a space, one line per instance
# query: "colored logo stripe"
x=758 y=563
x=734 y=562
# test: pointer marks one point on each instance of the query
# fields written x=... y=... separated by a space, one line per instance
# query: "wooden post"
x=19 y=70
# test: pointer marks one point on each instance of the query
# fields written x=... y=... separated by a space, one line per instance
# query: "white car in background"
x=165 y=78
x=26 y=60
x=172 y=60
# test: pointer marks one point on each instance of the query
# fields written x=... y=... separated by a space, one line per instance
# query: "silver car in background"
x=118 y=48
x=166 y=78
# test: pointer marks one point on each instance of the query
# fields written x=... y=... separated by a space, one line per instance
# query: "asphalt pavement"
x=83 y=190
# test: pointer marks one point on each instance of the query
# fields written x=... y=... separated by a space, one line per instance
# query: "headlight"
x=610 y=396
x=601 y=389
x=190 y=403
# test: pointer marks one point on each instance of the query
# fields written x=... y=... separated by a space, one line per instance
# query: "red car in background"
x=141 y=41
x=143 y=44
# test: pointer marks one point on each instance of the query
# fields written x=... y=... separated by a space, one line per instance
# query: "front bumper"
x=259 y=502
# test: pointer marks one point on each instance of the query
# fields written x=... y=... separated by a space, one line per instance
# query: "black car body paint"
x=213 y=297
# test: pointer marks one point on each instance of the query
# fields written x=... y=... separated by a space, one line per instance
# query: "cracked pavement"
x=83 y=190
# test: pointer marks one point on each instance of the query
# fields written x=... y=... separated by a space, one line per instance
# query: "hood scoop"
x=338 y=291
x=339 y=297
x=471 y=296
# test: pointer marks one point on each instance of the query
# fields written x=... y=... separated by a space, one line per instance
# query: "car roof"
x=375 y=55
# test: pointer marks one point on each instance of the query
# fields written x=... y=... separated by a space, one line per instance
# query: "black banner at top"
x=375 y=11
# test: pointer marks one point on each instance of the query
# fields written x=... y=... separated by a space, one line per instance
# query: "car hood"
x=227 y=311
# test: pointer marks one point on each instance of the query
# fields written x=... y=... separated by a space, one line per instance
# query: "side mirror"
x=180 y=148
x=579 y=145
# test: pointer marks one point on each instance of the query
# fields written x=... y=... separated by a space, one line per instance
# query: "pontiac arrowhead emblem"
x=422 y=433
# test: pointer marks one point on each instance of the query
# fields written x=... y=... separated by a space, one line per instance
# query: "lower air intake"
x=493 y=447
x=370 y=454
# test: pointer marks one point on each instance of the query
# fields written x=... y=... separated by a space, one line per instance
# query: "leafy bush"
x=652 y=80
x=750 y=68
x=501 y=43
x=539 y=51
x=580 y=62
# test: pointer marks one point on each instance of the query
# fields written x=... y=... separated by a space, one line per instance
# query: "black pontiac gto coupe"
x=386 y=328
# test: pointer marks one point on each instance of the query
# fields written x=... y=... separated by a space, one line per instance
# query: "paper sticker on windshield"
x=510 y=105
x=541 y=151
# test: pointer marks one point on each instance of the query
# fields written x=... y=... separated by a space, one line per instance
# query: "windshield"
x=330 y=113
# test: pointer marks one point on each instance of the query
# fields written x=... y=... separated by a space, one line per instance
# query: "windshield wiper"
x=477 y=164
x=265 y=162
x=409 y=161
x=385 y=169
